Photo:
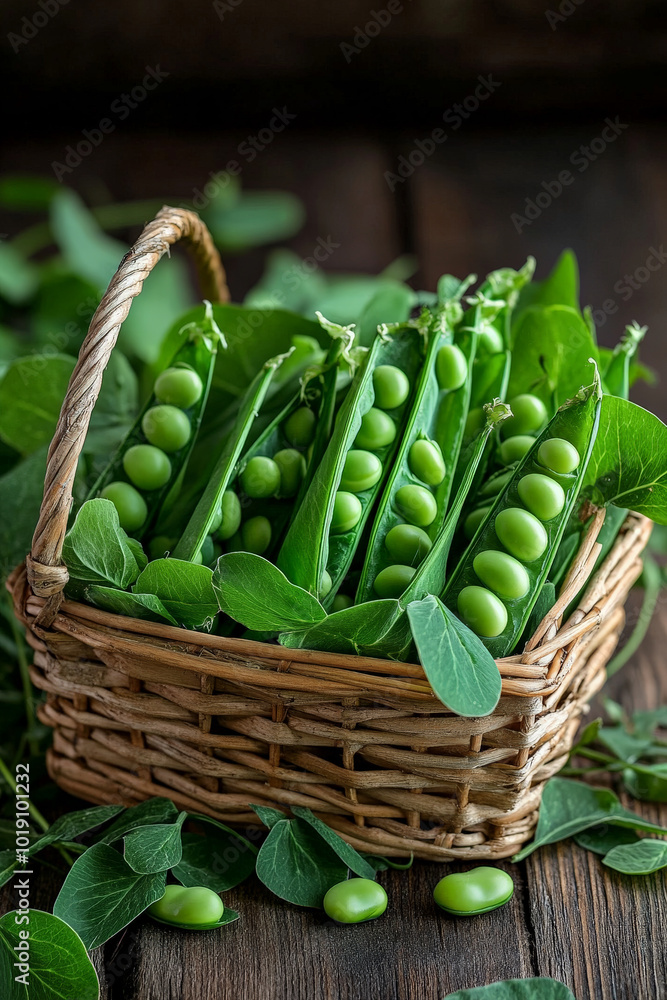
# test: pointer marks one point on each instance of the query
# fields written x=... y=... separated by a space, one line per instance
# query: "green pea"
x=495 y=484
x=491 y=340
x=166 y=427
x=260 y=477
x=362 y=470
x=341 y=602
x=256 y=535
x=355 y=900
x=477 y=891
x=474 y=422
x=326 y=584
x=180 y=387
x=482 y=611
x=191 y=907
x=514 y=448
x=521 y=533
x=216 y=522
x=391 y=386
x=292 y=466
x=451 y=367
x=230 y=509
x=131 y=506
x=502 y=573
x=346 y=513
x=407 y=544
x=377 y=430
x=416 y=504
x=473 y=521
x=147 y=466
x=299 y=428
x=528 y=414
x=544 y=497
x=207 y=551
x=392 y=580
x=558 y=455
x=426 y=462
x=159 y=546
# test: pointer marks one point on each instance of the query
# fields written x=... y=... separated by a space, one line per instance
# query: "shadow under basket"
x=213 y=723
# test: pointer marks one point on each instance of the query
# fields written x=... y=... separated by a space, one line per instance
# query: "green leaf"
x=119 y=602
x=642 y=858
x=20 y=498
x=561 y=288
x=155 y=848
x=86 y=248
x=27 y=192
x=96 y=548
x=392 y=303
x=623 y=744
x=258 y=217
x=7 y=865
x=347 y=854
x=59 y=967
x=297 y=865
x=567 y=808
x=377 y=628
x=648 y=784
x=253 y=591
x=268 y=816
x=144 y=814
x=73 y=824
x=645 y=723
x=601 y=839
x=220 y=859
x=18 y=276
x=626 y=818
x=166 y=294
x=102 y=894
x=31 y=394
x=460 y=669
x=552 y=345
x=627 y=465
x=185 y=589
x=517 y=989
x=116 y=407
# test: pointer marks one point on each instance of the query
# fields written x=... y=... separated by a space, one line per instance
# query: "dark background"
x=560 y=70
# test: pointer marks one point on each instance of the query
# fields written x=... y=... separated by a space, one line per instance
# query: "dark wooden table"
x=599 y=932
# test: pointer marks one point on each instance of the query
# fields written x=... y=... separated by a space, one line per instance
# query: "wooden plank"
x=600 y=932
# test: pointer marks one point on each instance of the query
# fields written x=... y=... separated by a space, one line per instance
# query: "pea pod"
x=616 y=375
x=151 y=460
x=310 y=550
x=426 y=459
x=203 y=518
x=494 y=594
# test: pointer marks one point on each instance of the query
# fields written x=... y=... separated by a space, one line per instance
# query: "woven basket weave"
x=214 y=723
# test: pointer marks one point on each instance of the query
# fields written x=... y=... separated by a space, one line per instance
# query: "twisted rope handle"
x=46 y=574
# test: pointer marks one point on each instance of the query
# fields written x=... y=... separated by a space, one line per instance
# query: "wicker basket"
x=141 y=709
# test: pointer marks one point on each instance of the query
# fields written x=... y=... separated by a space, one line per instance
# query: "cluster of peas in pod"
x=518 y=432
x=408 y=543
x=363 y=468
x=521 y=533
x=167 y=429
x=265 y=477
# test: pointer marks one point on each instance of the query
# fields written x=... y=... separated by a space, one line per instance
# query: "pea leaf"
x=74 y=824
x=601 y=839
x=552 y=345
x=392 y=303
x=257 y=217
x=460 y=669
x=642 y=858
x=58 y=966
x=86 y=248
x=560 y=288
x=253 y=591
x=627 y=465
x=31 y=394
x=268 y=816
x=155 y=848
x=20 y=498
x=7 y=865
x=377 y=628
x=120 y=602
x=297 y=865
x=96 y=548
x=27 y=192
x=102 y=894
x=18 y=275
x=185 y=589
x=347 y=854
x=115 y=409
x=166 y=294
x=567 y=808
x=220 y=859
x=516 y=989
x=648 y=784
x=144 y=814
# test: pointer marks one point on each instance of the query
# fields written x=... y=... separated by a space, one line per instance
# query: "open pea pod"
x=322 y=538
x=205 y=513
x=165 y=430
x=414 y=501
x=501 y=573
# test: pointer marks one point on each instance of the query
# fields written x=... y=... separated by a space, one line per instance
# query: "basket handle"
x=46 y=574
